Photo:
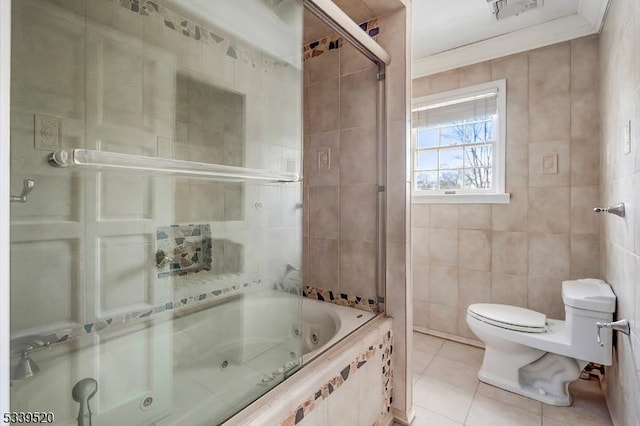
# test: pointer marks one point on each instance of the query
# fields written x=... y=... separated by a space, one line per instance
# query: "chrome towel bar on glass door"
x=84 y=158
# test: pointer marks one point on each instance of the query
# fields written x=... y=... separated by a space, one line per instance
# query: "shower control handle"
x=621 y=326
x=82 y=392
x=27 y=186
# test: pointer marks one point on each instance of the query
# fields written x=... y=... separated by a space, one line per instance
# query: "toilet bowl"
x=538 y=357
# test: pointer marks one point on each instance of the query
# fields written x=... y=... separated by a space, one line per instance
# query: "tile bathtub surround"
x=383 y=350
x=518 y=253
x=357 y=396
x=619 y=182
x=447 y=392
x=358 y=302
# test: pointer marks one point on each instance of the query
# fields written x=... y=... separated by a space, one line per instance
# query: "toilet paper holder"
x=618 y=209
x=621 y=326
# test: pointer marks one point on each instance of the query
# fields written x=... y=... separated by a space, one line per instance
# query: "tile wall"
x=136 y=77
x=620 y=180
x=340 y=221
x=518 y=253
x=340 y=171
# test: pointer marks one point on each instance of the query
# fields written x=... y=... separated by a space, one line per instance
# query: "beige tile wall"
x=620 y=180
x=340 y=214
x=339 y=100
x=518 y=253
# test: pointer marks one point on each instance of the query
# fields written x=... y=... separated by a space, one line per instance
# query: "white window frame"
x=497 y=194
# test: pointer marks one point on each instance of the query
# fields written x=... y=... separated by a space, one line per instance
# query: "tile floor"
x=447 y=393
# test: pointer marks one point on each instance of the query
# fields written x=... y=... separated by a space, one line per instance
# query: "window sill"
x=461 y=199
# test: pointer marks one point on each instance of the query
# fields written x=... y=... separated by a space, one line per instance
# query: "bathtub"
x=330 y=322
x=195 y=366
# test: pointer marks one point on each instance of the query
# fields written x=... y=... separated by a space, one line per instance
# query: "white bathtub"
x=197 y=366
x=330 y=322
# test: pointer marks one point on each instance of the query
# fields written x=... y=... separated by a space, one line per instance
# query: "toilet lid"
x=509 y=317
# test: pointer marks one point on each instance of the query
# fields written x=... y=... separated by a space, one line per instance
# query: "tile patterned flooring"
x=447 y=393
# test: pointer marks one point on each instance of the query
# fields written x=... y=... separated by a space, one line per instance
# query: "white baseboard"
x=404 y=418
x=447 y=336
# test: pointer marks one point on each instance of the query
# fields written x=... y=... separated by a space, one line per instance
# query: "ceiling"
x=451 y=34
x=440 y=26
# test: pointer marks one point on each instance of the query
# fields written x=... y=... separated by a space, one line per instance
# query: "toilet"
x=532 y=355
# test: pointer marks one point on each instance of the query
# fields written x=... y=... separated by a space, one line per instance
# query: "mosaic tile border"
x=182 y=25
x=334 y=41
x=68 y=334
x=233 y=48
x=343 y=299
x=387 y=373
x=385 y=346
x=182 y=249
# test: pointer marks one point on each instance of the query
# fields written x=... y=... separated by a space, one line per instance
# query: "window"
x=458 y=140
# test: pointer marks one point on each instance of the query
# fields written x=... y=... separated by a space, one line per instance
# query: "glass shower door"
x=163 y=260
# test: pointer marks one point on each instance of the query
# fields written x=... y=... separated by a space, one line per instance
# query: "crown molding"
x=587 y=21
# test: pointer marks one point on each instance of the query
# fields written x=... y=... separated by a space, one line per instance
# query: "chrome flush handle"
x=621 y=326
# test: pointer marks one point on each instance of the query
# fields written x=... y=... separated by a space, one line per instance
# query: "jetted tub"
x=330 y=323
x=196 y=366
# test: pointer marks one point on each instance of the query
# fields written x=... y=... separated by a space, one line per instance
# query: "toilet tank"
x=586 y=302
x=589 y=294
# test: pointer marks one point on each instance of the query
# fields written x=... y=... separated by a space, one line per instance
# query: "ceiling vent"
x=505 y=8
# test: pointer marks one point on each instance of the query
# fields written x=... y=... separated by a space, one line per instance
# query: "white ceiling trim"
x=587 y=21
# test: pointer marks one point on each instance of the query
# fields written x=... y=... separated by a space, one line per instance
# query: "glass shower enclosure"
x=156 y=222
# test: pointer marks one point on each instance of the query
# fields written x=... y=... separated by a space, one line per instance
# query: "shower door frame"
x=5 y=102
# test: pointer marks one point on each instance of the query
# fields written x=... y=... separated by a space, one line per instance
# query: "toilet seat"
x=509 y=317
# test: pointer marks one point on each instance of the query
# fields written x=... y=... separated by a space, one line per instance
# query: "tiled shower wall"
x=134 y=77
x=340 y=172
x=620 y=181
x=518 y=253
x=340 y=115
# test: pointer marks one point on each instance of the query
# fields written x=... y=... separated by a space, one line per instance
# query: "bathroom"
x=307 y=187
